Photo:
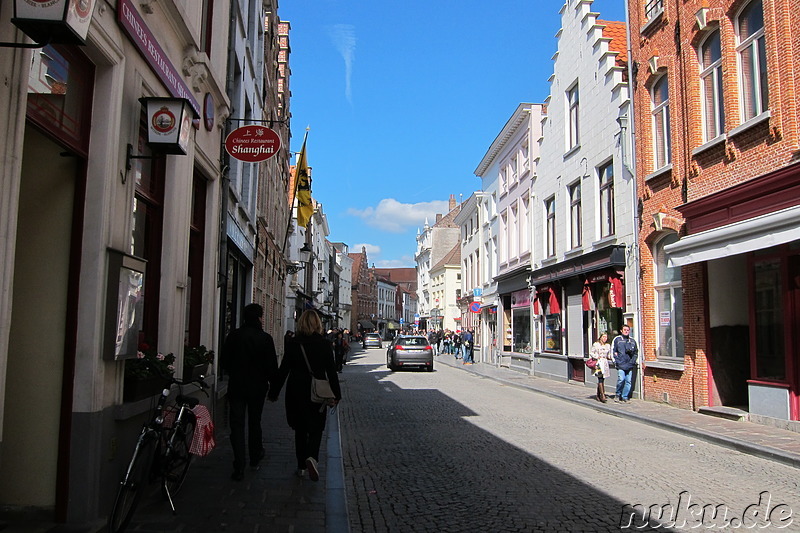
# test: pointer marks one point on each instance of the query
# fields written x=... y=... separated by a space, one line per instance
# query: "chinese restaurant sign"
x=252 y=144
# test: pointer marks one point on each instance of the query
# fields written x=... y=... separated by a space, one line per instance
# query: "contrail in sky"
x=344 y=39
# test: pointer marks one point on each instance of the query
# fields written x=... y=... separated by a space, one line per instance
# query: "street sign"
x=402 y=321
x=475 y=307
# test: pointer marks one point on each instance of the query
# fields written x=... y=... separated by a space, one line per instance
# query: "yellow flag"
x=303 y=184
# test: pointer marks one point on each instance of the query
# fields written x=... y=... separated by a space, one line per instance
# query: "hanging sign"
x=252 y=144
x=54 y=21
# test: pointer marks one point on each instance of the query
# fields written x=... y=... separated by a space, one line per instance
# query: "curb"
x=337 y=519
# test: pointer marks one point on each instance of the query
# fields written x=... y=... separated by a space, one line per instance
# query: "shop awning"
x=737 y=238
x=366 y=324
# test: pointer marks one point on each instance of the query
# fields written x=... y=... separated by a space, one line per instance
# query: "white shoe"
x=313 y=472
x=300 y=472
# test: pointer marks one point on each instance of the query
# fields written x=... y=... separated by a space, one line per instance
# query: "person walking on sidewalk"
x=601 y=351
x=626 y=354
x=305 y=417
x=468 y=343
x=250 y=361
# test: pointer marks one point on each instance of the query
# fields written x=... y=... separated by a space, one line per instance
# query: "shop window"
x=521 y=328
x=547 y=300
x=669 y=302
x=770 y=351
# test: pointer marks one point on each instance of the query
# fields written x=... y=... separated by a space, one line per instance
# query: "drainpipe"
x=631 y=169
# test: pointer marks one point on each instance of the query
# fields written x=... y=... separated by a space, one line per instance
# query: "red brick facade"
x=698 y=168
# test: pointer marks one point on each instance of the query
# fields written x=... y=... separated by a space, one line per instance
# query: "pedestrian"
x=457 y=343
x=305 y=417
x=250 y=361
x=432 y=341
x=626 y=354
x=468 y=341
x=447 y=341
x=601 y=352
x=339 y=350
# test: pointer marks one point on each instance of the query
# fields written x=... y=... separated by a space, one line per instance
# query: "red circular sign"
x=252 y=144
x=475 y=307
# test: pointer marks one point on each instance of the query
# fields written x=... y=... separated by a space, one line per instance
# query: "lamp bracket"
x=25 y=45
x=129 y=155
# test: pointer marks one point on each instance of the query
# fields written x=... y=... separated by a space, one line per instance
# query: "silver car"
x=410 y=351
x=372 y=340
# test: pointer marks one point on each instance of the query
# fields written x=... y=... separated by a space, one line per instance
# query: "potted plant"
x=196 y=360
x=144 y=376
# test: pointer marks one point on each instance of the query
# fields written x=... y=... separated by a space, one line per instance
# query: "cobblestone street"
x=453 y=451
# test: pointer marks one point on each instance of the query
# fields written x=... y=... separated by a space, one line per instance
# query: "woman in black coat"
x=304 y=416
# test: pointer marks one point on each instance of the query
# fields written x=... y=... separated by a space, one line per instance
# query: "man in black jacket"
x=626 y=355
x=250 y=361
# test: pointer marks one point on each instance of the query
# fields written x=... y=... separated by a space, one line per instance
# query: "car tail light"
x=398 y=347
x=428 y=347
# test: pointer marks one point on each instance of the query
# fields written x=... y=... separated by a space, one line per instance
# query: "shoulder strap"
x=305 y=358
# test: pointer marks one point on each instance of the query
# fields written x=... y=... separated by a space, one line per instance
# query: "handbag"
x=591 y=363
x=321 y=391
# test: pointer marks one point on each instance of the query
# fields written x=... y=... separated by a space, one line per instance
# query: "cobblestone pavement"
x=454 y=451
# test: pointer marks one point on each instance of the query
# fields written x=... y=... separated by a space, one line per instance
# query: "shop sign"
x=521 y=298
x=168 y=124
x=252 y=144
x=148 y=46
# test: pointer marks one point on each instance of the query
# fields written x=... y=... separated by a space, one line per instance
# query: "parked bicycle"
x=162 y=451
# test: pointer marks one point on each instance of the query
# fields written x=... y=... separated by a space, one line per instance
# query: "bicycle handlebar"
x=172 y=379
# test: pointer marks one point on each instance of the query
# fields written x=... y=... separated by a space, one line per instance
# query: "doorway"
x=40 y=323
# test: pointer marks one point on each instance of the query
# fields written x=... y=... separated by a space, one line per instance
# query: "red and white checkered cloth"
x=203 y=440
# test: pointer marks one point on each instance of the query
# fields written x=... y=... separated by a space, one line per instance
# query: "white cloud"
x=372 y=249
x=344 y=39
x=395 y=217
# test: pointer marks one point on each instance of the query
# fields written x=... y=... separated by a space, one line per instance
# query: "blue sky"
x=404 y=98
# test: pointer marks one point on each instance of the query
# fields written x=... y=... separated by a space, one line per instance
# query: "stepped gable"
x=617 y=32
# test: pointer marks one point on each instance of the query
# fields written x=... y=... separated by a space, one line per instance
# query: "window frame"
x=757 y=94
x=606 y=199
x=575 y=215
x=674 y=289
x=662 y=142
x=550 y=225
x=713 y=114
x=573 y=116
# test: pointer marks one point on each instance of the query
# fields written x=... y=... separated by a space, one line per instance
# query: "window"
x=769 y=320
x=513 y=169
x=669 y=302
x=575 y=214
x=752 y=60
x=572 y=110
x=550 y=209
x=653 y=8
x=503 y=180
x=662 y=152
x=607 y=200
x=711 y=86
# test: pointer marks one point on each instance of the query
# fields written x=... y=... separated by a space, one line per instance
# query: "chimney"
x=438 y=217
x=452 y=202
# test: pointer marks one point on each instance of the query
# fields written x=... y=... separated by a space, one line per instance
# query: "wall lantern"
x=169 y=122
x=54 y=21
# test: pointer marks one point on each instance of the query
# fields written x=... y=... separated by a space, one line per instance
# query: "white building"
x=433 y=243
x=446 y=290
x=508 y=171
x=583 y=262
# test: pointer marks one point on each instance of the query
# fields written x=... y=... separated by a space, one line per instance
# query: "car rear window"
x=413 y=341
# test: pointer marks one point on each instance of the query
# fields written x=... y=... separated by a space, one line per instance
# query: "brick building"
x=719 y=186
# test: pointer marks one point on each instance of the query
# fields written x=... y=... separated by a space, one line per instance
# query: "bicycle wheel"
x=176 y=459
x=132 y=486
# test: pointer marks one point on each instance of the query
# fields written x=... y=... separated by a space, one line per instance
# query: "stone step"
x=729 y=413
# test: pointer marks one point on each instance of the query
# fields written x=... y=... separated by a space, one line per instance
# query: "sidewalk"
x=270 y=499
x=754 y=439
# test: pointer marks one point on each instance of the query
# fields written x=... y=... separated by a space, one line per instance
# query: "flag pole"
x=294 y=197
